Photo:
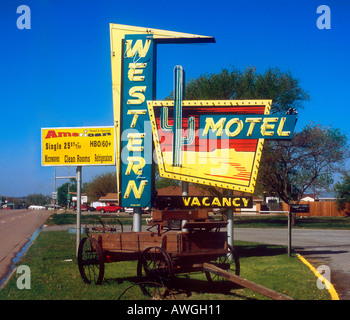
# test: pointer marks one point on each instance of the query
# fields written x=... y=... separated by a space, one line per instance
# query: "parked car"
x=131 y=210
x=85 y=207
x=110 y=207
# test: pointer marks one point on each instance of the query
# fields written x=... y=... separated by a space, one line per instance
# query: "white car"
x=129 y=210
x=36 y=207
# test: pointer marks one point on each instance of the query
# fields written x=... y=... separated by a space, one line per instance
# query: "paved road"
x=320 y=247
x=16 y=228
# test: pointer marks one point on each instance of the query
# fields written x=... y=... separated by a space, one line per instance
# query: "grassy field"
x=240 y=221
x=55 y=275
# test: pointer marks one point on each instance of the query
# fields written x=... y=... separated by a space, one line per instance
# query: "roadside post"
x=54 y=199
x=289 y=232
x=184 y=186
x=137 y=221
x=78 y=208
x=230 y=235
x=294 y=208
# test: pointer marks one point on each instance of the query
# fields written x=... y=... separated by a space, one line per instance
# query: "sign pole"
x=184 y=193
x=78 y=177
x=54 y=189
x=289 y=233
x=137 y=220
x=230 y=222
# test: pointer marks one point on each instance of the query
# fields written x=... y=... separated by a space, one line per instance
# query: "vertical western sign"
x=136 y=156
x=133 y=53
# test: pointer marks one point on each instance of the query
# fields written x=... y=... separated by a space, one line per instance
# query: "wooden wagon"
x=165 y=250
x=162 y=252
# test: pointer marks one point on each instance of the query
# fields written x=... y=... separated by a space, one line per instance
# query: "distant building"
x=308 y=198
x=109 y=197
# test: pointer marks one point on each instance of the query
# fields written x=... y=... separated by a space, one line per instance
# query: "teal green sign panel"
x=136 y=148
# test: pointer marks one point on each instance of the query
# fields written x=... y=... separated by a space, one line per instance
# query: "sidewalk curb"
x=331 y=289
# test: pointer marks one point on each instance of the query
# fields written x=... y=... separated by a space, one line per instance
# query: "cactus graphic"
x=176 y=128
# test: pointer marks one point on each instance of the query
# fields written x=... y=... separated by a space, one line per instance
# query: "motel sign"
x=212 y=142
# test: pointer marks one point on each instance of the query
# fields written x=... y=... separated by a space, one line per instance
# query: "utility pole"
x=78 y=177
x=230 y=222
x=184 y=193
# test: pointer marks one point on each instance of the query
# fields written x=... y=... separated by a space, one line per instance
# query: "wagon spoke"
x=228 y=262
x=154 y=266
x=113 y=226
x=94 y=225
x=90 y=261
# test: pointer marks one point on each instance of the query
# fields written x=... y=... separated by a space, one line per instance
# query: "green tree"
x=63 y=190
x=284 y=90
x=290 y=168
x=342 y=189
x=101 y=185
x=37 y=199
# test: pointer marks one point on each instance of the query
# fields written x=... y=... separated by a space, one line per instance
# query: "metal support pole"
x=137 y=220
x=78 y=177
x=54 y=189
x=230 y=222
x=54 y=181
x=184 y=193
x=289 y=233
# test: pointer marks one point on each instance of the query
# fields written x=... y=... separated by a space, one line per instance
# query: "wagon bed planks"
x=139 y=241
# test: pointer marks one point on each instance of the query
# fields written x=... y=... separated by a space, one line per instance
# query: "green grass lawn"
x=71 y=218
x=240 y=221
x=55 y=275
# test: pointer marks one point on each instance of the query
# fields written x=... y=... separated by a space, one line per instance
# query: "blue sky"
x=58 y=73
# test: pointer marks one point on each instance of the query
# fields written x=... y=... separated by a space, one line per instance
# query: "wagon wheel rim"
x=113 y=226
x=230 y=259
x=158 y=291
x=94 y=225
x=155 y=272
x=90 y=261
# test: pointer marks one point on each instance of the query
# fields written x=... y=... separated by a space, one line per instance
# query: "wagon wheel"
x=113 y=226
x=155 y=272
x=94 y=225
x=230 y=259
x=158 y=291
x=90 y=261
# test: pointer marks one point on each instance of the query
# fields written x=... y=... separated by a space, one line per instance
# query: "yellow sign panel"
x=207 y=156
x=82 y=146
